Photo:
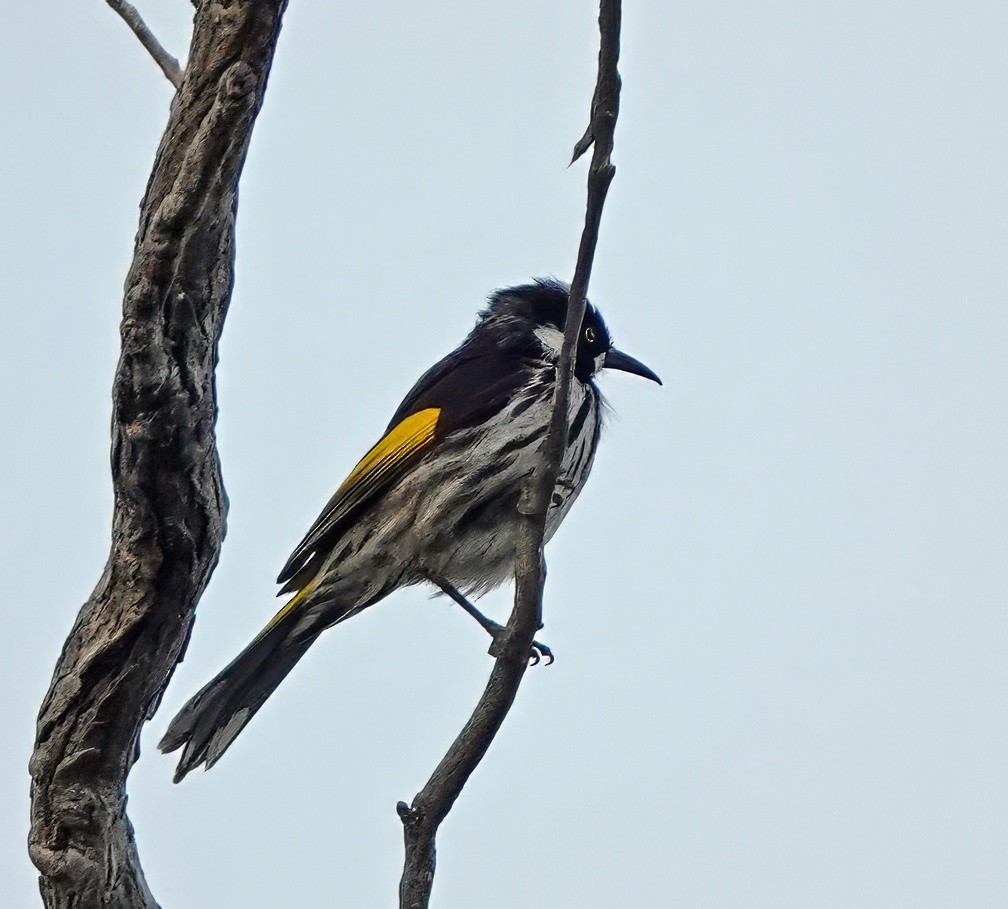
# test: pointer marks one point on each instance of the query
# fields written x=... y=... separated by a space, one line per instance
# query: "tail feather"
x=211 y=720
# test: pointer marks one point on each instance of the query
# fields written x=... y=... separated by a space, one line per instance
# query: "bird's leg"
x=539 y=650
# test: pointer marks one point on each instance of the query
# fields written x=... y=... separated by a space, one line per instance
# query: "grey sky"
x=779 y=610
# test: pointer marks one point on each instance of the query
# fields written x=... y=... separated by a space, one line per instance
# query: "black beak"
x=616 y=359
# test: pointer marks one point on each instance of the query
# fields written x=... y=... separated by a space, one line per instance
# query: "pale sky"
x=780 y=608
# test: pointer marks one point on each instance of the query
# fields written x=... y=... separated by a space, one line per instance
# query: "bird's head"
x=533 y=316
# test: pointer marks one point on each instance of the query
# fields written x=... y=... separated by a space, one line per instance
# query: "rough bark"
x=170 y=506
x=431 y=805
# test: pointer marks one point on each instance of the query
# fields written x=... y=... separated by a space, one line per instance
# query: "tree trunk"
x=170 y=506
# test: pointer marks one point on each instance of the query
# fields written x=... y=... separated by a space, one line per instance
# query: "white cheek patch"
x=599 y=362
x=551 y=339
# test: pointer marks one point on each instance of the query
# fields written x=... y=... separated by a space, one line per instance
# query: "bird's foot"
x=538 y=651
x=494 y=629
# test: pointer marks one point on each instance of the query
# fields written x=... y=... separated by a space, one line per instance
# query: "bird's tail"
x=211 y=719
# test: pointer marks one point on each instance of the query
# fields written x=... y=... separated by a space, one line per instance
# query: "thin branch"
x=169 y=65
x=511 y=649
x=170 y=505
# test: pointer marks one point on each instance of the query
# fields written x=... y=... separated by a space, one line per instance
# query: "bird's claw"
x=536 y=653
x=540 y=650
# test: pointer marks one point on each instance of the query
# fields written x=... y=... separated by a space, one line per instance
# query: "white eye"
x=590 y=335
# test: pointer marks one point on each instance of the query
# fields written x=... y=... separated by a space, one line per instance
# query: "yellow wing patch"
x=403 y=439
x=379 y=469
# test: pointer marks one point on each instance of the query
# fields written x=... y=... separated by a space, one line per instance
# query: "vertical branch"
x=170 y=506
x=432 y=804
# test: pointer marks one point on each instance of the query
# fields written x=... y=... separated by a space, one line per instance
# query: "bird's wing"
x=386 y=463
x=470 y=385
x=465 y=388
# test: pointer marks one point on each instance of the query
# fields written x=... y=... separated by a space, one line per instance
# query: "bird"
x=434 y=502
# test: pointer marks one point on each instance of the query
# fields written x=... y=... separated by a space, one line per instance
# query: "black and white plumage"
x=435 y=500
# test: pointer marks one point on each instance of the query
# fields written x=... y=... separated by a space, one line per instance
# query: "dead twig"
x=169 y=65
